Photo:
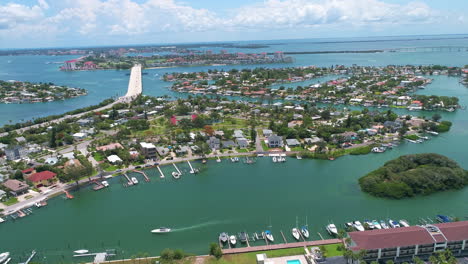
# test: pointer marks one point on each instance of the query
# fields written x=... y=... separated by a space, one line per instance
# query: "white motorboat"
x=433 y=133
x=81 y=251
x=161 y=230
x=38 y=204
x=218 y=160
x=393 y=224
x=194 y=171
x=358 y=226
x=232 y=240
x=223 y=237
x=404 y=223
x=298 y=157
x=376 y=224
x=2 y=220
x=105 y=183
x=274 y=159
x=305 y=231
x=176 y=175
x=236 y=159
x=295 y=233
x=331 y=228
x=269 y=236
x=369 y=224
x=384 y=225
x=4 y=256
x=134 y=180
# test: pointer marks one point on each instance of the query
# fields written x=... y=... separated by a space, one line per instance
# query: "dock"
x=98 y=257
x=191 y=168
x=147 y=179
x=33 y=253
x=320 y=235
x=98 y=186
x=180 y=173
x=281 y=246
x=129 y=182
x=284 y=238
x=160 y=171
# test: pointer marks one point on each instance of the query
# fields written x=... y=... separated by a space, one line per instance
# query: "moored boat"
x=232 y=240
x=274 y=159
x=2 y=220
x=176 y=175
x=443 y=218
x=393 y=224
x=376 y=224
x=384 y=225
x=332 y=230
x=161 y=230
x=4 y=256
x=404 y=223
x=269 y=235
x=369 y=224
x=295 y=233
x=223 y=237
x=134 y=180
x=105 y=183
x=305 y=231
x=243 y=237
x=358 y=226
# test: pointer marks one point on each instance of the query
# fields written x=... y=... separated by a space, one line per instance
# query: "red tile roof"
x=408 y=236
x=43 y=175
x=28 y=170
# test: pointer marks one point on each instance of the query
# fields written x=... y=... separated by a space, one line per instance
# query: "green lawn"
x=11 y=201
x=98 y=156
x=299 y=148
x=250 y=258
x=111 y=168
x=332 y=250
x=242 y=150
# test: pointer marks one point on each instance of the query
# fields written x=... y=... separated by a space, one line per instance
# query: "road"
x=135 y=88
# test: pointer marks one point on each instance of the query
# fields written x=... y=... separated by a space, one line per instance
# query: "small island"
x=412 y=175
x=26 y=92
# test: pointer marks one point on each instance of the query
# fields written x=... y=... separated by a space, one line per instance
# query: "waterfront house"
x=148 y=150
x=242 y=142
x=214 y=143
x=404 y=243
x=114 y=159
x=292 y=142
x=16 y=187
x=228 y=144
x=162 y=151
x=312 y=141
x=267 y=132
x=275 y=141
x=392 y=126
x=43 y=178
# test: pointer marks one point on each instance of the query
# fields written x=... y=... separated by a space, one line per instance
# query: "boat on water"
x=274 y=159
x=193 y=171
x=393 y=224
x=4 y=256
x=295 y=233
x=376 y=224
x=204 y=161
x=369 y=224
x=443 y=218
x=243 y=237
x=298 y=157
x=358 y=226
x=105 y=183
x=2 y=220
x=269 y=235
x=176 y=175
x=433 y=133
x=81 y=251
x=218 y=160
x=404 y=223
x=305 y=231
x=349 y=226
x=384 y=225
x=161 y=230
x=332 y=230
x=233 y=240
x=223 y=237
x=134 y=180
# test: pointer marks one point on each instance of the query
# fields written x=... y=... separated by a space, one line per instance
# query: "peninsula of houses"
x=390 y=86
x=26 y=92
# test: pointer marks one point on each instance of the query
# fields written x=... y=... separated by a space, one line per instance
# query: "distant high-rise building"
x=70 y=65
x=279 y=55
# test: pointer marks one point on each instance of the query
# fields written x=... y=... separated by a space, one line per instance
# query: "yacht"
x=161 y=230
x=223 y=237
x=81 y=251
x=274 y=159
x=384 y=225
x=232 y=240
x=2 y=220
x=269 y=235
x=105 y=183
x=331 y=228
x=305 y=231
x=295 y=233
x=349 y=226
x=298 y=157
x=376 y=224
x=4 y=256
x=176 y=175
x=243 y=237
x=369 y=224
x=404 y=223
x=134 y=180
x=358 y=226
x=393 y=224
x=218 y=160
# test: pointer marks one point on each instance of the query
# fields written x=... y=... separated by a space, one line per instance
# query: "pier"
x=281 y=246
x=160 y=171
x=147 y=179
x=98 y=186
x=180 y=173
x=33 y=253
x=129 y=182
x=69 y=196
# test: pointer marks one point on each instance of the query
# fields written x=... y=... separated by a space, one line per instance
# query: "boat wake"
x=209 y=223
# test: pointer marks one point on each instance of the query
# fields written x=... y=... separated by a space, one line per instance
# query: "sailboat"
x=295 y=233
x=305 y=230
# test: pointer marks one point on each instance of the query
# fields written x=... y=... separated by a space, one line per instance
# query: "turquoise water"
x=223 y=197
x=295 y=261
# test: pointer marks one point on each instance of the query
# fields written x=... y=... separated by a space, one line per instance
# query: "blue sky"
x=60 y=23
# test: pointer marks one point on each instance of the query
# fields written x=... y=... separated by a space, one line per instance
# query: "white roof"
x=147 y=145
x=80 y=134
x=113 y=158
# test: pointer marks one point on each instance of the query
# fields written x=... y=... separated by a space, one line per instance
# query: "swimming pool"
x=294 y=261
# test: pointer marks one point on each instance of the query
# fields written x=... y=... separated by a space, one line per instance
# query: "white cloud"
x=12 y=15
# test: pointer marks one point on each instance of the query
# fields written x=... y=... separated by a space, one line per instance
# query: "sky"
x=78 y=23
